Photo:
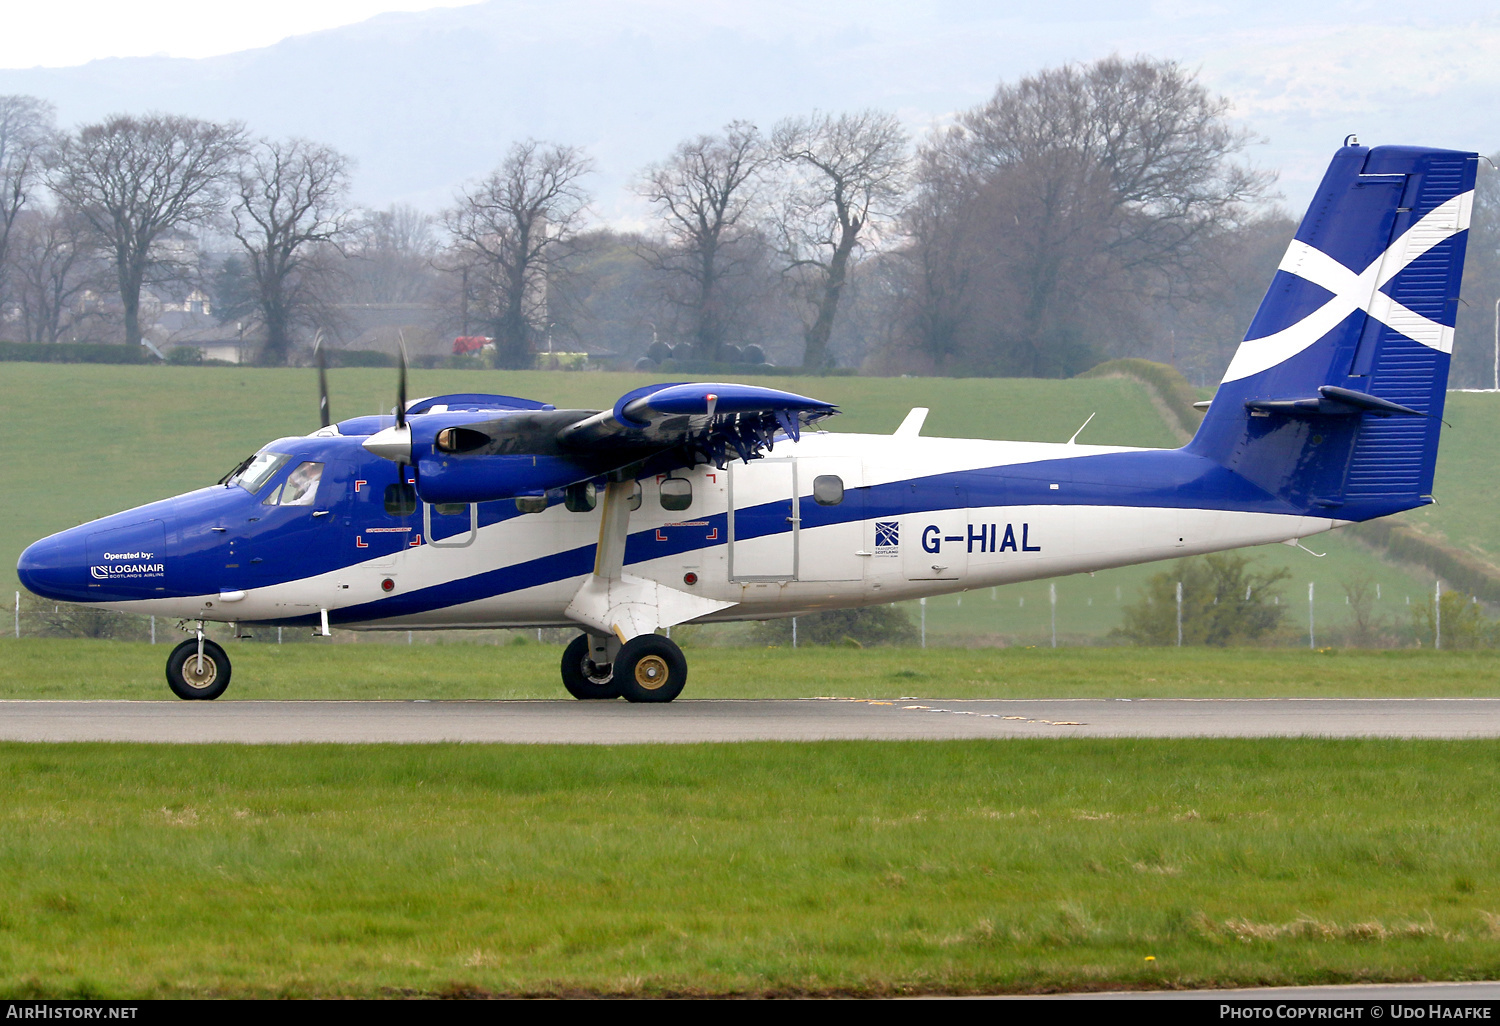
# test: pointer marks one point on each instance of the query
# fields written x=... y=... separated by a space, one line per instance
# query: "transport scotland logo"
x=887 y=534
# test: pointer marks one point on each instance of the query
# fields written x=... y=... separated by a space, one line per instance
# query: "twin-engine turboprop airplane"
x=702 y=502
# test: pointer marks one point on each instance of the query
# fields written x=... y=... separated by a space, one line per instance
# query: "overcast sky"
x=62 y=33
x=424 y=102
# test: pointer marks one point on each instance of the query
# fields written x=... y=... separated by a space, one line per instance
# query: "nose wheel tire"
x=582 y=677
x=650 y=668
x=190 y=681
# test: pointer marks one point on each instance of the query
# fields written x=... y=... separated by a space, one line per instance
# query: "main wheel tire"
x=185 y=678
x=650 y=668
x=582 y=677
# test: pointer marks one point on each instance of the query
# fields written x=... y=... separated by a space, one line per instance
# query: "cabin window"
x=450 y=509
x=581 y=497
x=400 y=499
x=261 y=467
x=828 y=489
x=301 y=488
x=635 y=496
x=531 y=503
x=676 y=494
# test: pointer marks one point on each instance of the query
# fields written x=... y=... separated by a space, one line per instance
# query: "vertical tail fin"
x=1334 y=400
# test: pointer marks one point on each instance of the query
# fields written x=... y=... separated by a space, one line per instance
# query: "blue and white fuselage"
x=703 y=502
x=902 y=516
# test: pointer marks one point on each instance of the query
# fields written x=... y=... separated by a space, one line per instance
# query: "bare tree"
x=290 y=203
x=137 y=178
x=26 y=138
x=1082 y=196
x=55 y=263
x=391 y=254
x=843 y=173
x=703 y=195
x=510 y=227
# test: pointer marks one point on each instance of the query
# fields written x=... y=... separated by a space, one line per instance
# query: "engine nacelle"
x=445 y=477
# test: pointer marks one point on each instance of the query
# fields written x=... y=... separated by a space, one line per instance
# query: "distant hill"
x=425 y=101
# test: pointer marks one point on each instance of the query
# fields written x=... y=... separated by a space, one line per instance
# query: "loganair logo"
x=1357 y=291
x=127 y=565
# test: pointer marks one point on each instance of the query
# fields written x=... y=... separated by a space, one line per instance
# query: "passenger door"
x=830 y=535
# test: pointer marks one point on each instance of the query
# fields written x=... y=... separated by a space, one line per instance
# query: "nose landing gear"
x=198 y=670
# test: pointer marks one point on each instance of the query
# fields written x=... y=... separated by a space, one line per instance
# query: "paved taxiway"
x=267 y=722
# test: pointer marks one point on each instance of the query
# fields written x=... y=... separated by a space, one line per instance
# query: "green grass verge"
x=68 y=669
x=857 y=868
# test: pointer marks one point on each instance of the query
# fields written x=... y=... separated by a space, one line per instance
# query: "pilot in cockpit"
x=302 y=485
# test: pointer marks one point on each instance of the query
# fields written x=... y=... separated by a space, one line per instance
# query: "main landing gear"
x=198 y=670
x=648 y=668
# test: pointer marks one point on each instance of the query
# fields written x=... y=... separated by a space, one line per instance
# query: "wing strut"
x=621 y=606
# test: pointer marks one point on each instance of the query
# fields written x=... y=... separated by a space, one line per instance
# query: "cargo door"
x=763 y=520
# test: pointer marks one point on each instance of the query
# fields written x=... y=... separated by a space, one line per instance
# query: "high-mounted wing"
x=655 y=429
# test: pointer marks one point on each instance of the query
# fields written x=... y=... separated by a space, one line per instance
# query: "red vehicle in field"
x=465 y=344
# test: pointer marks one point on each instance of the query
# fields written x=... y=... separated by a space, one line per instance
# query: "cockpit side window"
x=301 y=488
x=259 y=471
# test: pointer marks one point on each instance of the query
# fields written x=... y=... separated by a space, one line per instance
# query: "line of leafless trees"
x=1081 y=213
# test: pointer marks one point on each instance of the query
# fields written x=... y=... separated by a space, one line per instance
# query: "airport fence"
x=1314 y=614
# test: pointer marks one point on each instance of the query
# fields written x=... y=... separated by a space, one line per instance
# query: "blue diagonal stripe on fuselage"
x=1169 y=479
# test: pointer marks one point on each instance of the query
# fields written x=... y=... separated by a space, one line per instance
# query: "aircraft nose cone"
x=54 y=567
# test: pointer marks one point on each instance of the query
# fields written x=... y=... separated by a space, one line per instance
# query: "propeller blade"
x=322 y=378
x=401 y=383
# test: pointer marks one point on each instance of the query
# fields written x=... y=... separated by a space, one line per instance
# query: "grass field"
x=157 y=431
x=1467 y=486
x=75 y=669
x=853 y=868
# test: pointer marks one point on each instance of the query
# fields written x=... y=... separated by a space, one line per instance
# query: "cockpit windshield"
x=258 y=471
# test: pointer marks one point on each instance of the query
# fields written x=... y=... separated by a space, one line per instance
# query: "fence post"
x=794 y=630
x=1311 y=640
x=1052 y=597
x=923 y=604
x=1437 y=616
x=1179 y=614
x=153 y=630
